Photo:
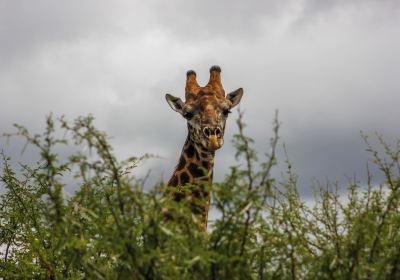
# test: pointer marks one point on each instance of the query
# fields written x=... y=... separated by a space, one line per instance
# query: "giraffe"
x=205 y=110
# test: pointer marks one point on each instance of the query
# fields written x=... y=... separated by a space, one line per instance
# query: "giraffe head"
x=206 y=109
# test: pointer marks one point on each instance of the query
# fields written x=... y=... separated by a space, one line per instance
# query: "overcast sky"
x=330 y=67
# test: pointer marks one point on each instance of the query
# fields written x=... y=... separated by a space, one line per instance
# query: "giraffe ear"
x=175 y=102
x=235 y=96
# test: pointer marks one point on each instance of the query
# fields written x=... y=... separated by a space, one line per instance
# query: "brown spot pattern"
x=195 y=166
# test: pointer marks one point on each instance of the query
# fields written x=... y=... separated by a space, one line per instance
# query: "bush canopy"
x=113 y=228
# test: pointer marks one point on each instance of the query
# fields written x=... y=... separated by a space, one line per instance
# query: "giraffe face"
x=206 y=114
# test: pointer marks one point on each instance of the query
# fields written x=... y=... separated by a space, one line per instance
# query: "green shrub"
x=110 y=228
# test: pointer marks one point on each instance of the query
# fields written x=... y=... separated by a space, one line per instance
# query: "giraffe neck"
x=195 y=165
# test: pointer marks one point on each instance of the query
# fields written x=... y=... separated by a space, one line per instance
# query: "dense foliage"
x=113 y=229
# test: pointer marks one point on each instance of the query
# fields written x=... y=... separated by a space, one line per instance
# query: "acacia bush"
x=111 y=228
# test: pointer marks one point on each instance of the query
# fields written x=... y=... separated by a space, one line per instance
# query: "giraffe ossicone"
x=205 y=110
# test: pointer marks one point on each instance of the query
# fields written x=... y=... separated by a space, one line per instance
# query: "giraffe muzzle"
x=214 y=137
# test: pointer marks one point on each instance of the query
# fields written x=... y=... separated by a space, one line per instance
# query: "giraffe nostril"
x=207 y=131
x=218 y=132
x=212 y=131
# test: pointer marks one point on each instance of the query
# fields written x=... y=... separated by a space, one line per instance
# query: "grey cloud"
x=317 y=8
x=330 y=68
x=27 y=26
x=234 y=20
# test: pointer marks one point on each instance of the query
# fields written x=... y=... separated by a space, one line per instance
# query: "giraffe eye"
x=188 y=115
x=226 y=112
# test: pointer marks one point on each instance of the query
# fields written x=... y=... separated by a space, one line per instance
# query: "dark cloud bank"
x=330 y=67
